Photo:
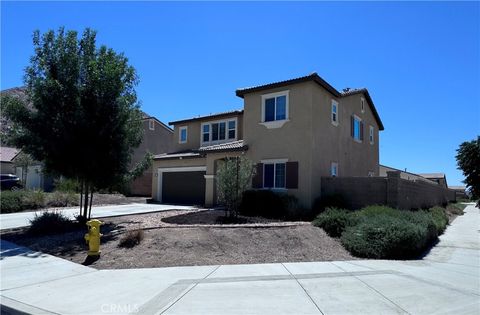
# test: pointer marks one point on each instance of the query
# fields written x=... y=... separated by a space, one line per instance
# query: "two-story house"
x=296 y=131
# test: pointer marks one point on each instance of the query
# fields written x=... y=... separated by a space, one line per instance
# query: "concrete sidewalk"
x=446 y=281
x=21 y=219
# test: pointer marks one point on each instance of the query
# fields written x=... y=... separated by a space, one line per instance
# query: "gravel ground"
x=193 y=238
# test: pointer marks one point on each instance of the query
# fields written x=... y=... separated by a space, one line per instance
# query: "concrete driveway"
x=447 y=281
x=21 y=219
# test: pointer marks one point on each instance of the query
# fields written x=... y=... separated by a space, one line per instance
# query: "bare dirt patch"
x=199 y=238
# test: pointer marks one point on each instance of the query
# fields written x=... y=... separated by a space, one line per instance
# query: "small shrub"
x=66 y=185
x=384 y=237
x=33 y=199
x=11 y=201
x=440 y=219
x=270 y=204
x=329 y=201
x=50 y=222
x=456 y=208
x=334 y=221
x=131 y=239
x=62 y=199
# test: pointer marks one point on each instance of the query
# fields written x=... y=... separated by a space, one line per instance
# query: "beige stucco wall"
x=292 y=141
x=194 y=132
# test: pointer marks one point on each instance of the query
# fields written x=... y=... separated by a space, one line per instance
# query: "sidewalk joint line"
x=372 y=288
x=175 y=302
x=304 y=290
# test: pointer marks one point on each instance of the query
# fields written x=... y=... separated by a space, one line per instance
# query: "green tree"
x=24 y=161
x=85 y=120
x=234 y=176
x=468 y=160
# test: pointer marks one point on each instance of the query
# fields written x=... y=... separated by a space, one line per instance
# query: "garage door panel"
x=183 y=187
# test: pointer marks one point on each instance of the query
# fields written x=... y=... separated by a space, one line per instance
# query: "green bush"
x=383 y=232
x=50 y=222
x=440 y=218
x=11 y=201
x=270 y=204
x=384 y=237
x=63 y=199
x=329 y=201
x=33 y=199
x=334 y=221
x=66 y=185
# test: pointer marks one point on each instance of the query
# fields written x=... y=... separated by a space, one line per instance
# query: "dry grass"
x=131 y=239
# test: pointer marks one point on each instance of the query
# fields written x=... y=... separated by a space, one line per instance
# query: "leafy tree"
x=85 y=120
x=23 y=161
x=234 y=176
x=468 y=160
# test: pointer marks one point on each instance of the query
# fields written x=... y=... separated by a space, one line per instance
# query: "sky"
x=419 y=60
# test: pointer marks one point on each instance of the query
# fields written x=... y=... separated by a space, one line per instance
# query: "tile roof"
x=317 y=79
x=227 y=146
x=432 y=175
x=458 y=187
x=147 y=116
x=210 y=116
x=7 y=154
x=189 y=154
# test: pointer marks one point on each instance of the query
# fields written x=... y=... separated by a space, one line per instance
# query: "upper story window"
x=362 y=104
x=183 y=135
x=334 y=112
x=275 y=109
x=334 y=169
x=219 y=131
x=371 y=133
x=357 y=128
x=151 y=124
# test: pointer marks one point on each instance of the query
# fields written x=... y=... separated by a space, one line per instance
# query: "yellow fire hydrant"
x=93 y=237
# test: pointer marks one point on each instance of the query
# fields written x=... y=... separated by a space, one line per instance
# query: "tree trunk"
x=85 y=204
x=91 y=199
x=81 y=196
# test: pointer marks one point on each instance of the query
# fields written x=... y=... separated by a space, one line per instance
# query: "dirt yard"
x=185 y=238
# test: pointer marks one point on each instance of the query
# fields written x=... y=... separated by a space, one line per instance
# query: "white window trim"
x=371 y=135
x=359 y=140
x=180 y=134
x=151 y=124
x=210 y=142
x=162 y=170
x=336 y=168
x=276 y=123
x=274 y=161
x=334 y=103
x=362 y=104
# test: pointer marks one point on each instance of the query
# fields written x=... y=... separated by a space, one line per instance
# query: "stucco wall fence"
x=392 y=190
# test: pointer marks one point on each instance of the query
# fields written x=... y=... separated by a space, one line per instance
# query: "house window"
x=334 y=113
x=371 y=135
x=274 y=175
x=151 y=124
x=275 y=107
x=219 y=131
x=206 y=133
x=232 y=129
x=334 y=169
x=357 y=128
x=183 y=135
x=362 y=104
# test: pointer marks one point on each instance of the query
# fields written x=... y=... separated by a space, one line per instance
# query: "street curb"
x=12 y=307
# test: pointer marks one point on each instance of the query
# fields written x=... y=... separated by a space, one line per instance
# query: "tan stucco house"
x=296 y=131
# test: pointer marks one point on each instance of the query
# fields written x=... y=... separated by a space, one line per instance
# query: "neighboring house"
x=439 y=178
x=403 y=174
x=7 y=154
x=296 y=131
x=157 y=139
x=460 y=191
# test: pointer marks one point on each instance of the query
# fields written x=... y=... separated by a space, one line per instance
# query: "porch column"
x=209 y=190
